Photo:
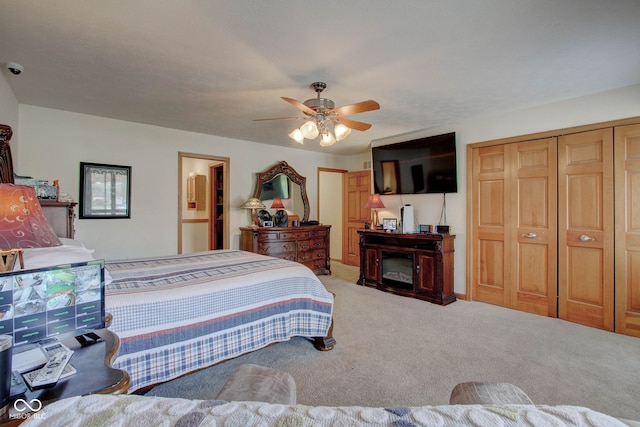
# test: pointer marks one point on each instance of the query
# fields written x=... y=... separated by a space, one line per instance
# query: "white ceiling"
x=212 y=66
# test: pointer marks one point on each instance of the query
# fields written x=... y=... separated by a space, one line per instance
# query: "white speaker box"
x=406 y=218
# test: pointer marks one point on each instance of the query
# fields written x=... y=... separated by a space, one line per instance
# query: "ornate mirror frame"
x=6 y=163
x=284 y=168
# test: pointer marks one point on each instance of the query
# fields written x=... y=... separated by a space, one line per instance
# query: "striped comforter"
x=185 y=312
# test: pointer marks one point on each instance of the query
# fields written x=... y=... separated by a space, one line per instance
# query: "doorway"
x=203 y=183
x=330 y=183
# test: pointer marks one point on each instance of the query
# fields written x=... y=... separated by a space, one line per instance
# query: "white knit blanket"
x=139 y=411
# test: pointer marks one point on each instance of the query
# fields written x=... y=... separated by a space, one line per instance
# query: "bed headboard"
x=6 y=162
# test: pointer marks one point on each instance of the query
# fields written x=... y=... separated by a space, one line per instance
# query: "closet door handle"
x=529 y=236
x=585 y=238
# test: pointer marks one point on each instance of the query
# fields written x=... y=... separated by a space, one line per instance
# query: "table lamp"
x=374 y=203
x=277 y=203
x=22 y=223
x=254 y=204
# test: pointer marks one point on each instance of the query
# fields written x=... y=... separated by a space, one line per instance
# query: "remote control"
x=52 y=371
x=53 y=348
x=18 y=386
x=30 y=376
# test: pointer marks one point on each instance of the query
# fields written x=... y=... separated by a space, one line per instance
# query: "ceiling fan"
x=321 y=115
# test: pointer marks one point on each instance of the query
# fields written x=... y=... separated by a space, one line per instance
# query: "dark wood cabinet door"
x=427 y=274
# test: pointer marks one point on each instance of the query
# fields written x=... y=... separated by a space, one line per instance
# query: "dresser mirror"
x=282 y=181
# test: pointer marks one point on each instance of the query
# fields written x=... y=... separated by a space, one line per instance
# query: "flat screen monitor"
x=419 y=166
x=52 y=302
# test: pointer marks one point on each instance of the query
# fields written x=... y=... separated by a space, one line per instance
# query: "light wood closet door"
x=585 y=228
x=514 y=233
x=533 y=255
x=357 y=188
x=627 y=178
x=489 y=272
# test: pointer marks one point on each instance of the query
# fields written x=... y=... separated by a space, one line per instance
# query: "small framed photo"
x=390 y=224
x=267 y=223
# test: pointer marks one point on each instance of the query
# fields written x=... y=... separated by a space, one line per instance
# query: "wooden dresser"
x=60 y=215
x=308 y=245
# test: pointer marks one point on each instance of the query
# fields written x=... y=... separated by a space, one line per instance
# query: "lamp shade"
x=374 y=202
x=341 y=131
x=253 y=203
x=297 y=136
x=22 y=222
x=309 y=130
x=277 y=203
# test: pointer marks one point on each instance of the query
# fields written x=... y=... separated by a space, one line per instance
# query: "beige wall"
x=9 y=111
x=54 y=142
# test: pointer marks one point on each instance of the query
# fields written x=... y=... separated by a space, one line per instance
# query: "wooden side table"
x=95 y=374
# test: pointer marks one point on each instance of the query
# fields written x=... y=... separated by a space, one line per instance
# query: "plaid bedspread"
x=185 y=312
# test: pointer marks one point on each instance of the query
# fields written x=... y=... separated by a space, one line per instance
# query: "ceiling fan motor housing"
x=319 y=104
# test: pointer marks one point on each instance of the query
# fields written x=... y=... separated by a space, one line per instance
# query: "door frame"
x=337 y=229
x=227 y=165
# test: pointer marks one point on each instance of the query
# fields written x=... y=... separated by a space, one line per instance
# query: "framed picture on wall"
x=105 y=191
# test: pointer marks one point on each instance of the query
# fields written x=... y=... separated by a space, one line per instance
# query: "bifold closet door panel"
x=586 y=228
x=533 y=252
x=627 y=176
x=490 y=273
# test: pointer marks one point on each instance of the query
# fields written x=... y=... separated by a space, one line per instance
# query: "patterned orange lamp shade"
x=22 y=222
x=374 y=203
x=277 y=204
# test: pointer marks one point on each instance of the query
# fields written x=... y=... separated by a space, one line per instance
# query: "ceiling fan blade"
x=352 y=124
x=300 y=105
x=359 y=107
x=278 y=118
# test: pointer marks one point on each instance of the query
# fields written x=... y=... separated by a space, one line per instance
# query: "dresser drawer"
x=271 y=248
x=314 y=254
x=318 y=265
x=305 y=245
x=268 y=237
x=295 y=234
x=319 y=233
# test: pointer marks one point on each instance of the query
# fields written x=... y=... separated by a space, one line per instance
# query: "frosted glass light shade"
x=296 y=135
x=327 y=139
x=309 y=130
x=341 y=131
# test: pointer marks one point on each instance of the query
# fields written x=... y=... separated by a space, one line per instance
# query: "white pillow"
x=71 y=242
x=56 y=255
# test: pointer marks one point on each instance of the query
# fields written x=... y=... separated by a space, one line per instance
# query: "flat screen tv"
x=420 y=166
x=52 y=302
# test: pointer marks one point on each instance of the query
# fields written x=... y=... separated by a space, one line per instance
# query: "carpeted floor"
x=396 y=351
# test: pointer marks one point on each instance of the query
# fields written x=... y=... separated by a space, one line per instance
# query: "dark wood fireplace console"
x=414 y=265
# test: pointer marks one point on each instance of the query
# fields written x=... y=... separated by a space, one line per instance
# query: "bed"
x=181 y=313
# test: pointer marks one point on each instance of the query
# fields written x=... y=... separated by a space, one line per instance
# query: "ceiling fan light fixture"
x=341 y=131
x=324 y=120
x=309 y=130
x=297 y=136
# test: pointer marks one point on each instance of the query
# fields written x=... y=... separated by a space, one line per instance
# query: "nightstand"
x=95 y=375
